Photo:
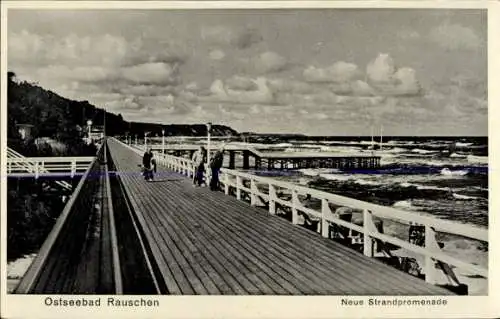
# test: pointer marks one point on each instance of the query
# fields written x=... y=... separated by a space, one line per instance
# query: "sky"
x=309 y=71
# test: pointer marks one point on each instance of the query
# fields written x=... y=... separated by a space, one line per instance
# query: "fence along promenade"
x=368 y=230
x=70 y=262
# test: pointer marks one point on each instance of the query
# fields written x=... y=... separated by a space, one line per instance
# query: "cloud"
x=474 y=86
x=217 y=55
x=158 y=101
x=241 y=38
x=288 y=85
x=192 y=87
x=30 y=48
x=124 y=75
x=269 y=62
x=148 y=73
x=155 y=73
x=312 y=100
x=217 y=34
x=241 y=83
x=455 y=36
x=408 y=34
x=126 y=103
x=247 y=38
x=387 y=80
x=361 y=88
x=144 y=89
x=339 y=72
x=381 y=69
x=82 y=74
x=221 y=93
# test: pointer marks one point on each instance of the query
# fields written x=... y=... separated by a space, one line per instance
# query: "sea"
x=444 y=177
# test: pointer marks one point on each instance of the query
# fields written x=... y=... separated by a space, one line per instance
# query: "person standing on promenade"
x=215 y=165
x=147 y=164
x=199 y=167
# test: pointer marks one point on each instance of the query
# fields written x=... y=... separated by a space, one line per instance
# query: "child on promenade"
x=199 y=166
x=148 y=164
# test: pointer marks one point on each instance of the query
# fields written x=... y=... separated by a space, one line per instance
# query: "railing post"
x=325 y=212
x=226 y=183
x=430 y=245
x=73 y=168
x=253 y=192
x=37 y=170
x=272 y=199
x=368 y=228
x=295 y=204
x=238 y=188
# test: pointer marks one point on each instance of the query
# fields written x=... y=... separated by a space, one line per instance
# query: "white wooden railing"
x=19 y=165
x=431 y=250
x=39 y=166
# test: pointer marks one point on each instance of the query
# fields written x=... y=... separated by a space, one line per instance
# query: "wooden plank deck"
x=208 y=243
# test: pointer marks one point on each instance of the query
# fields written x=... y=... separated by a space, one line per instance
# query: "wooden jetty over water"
x=168 y=237
x=269 y=158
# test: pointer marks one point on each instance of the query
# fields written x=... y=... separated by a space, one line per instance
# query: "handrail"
x=81 y=159
x=17 y=163
x=13 y=153
x=78 y=203
x=115 y=255
x=47 y=166
x=430 y=250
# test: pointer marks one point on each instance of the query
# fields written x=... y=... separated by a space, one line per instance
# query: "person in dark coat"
x=215 y=165
x=148 y=163
x=199 y=158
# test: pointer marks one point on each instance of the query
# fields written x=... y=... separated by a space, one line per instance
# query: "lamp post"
x=135 y=139
x=162 y=141
x=89 y=125
x=145 y=141
x=209 y=126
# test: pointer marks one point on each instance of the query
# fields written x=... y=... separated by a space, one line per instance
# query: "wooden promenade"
x=205 y=242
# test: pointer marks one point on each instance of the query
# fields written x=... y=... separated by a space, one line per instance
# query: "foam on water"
x=464 y=197
x=406 y=204
x=460 y=144
x=421 y=151
x=446 y=171
x=477 y=159
x=455 y=155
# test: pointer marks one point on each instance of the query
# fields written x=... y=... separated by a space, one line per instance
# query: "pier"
x=269 y=158
x=168 y=237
